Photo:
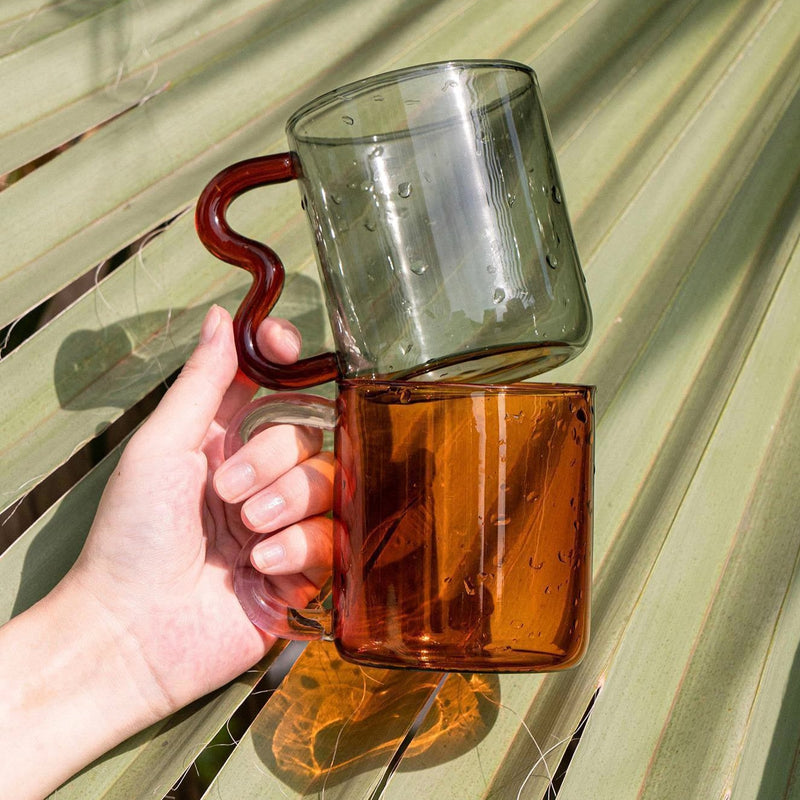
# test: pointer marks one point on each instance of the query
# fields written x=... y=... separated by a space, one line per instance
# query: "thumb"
x=182 y=418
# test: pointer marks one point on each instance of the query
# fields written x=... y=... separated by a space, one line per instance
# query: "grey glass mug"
x=441 y=230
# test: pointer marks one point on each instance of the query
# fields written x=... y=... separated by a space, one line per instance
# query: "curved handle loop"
x=258 y=598
x=262 y=263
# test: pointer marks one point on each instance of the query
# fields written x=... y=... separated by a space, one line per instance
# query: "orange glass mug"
x=462 y=524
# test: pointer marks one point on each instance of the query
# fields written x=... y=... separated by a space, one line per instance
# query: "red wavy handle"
x=262 y=263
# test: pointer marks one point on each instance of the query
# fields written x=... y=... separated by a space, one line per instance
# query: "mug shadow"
x=331 y=721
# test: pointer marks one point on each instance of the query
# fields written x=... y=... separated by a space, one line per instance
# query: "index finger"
x=279 y=341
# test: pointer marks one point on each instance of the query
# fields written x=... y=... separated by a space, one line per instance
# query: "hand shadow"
x=115 y=366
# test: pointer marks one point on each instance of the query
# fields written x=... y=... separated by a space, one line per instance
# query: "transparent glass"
x=440 y=224
x=462 y=525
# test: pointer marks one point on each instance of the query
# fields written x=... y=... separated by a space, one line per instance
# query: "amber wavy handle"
x=262 y=263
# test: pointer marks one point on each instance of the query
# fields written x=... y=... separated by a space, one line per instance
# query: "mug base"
x=498 y=364
x=499 y=659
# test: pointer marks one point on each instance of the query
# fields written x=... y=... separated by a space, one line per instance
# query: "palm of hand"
x=159 y=558
x=161 y=554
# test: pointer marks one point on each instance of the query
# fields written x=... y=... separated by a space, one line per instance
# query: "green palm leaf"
x=676 y=124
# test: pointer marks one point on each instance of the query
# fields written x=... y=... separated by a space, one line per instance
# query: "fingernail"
x=210 y=325
x=292 y=340
x=263 y=509
x=232 y=481
x=268 y=556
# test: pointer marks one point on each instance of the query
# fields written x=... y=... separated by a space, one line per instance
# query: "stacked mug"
x=462 y=498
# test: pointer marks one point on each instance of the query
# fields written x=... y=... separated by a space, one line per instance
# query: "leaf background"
x=676 y=124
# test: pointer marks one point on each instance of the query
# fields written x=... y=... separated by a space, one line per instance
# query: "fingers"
x=281 y=479
x=304 y=491
x=303 y=548
x=289 y=489
x=279 y=340
x=265 y=458
x=209 y=386
x=292 y=505
x=296 y=590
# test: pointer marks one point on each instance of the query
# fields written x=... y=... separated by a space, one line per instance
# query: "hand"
x=160 y=553
x=146 y=620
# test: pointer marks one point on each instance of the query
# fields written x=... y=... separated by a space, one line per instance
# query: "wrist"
x=74 y=687
x=125 y=684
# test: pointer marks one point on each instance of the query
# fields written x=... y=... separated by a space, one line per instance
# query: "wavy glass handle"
x=253 y=589
x=262 y=263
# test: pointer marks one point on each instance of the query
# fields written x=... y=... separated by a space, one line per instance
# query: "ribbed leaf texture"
x=676 y=124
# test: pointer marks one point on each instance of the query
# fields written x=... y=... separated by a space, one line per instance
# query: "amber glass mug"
x=449 y=264
x=462 y=524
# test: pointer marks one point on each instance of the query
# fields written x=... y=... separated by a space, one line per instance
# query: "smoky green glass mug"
x=441 y=230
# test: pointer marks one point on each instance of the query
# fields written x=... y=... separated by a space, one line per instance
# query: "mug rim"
x=351 y=89
x=450 y=387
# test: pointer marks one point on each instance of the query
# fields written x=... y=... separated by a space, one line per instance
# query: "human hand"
x=146 y=620
x=174 y=516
